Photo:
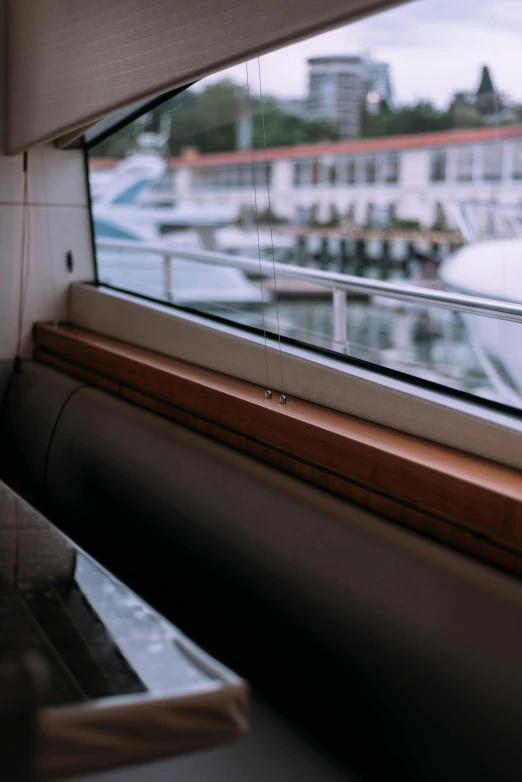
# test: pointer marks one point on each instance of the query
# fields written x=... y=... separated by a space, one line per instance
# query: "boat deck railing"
x=339 y=284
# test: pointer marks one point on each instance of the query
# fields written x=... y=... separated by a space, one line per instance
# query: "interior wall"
x=58 y=221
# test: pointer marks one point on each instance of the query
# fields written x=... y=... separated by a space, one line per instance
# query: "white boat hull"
x=492 y=270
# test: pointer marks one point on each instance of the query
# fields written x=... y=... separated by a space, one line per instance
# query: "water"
x=428 y=343
x=425 y=342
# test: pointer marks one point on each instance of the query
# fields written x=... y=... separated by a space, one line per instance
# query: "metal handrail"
x=460 y=302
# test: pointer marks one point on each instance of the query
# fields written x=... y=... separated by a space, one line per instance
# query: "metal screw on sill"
x=282 y=399
x=268 y=394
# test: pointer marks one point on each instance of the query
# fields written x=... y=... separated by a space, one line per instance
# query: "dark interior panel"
x=399 y=655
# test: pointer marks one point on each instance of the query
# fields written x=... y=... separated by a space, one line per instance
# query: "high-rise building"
x=378 y=83
x=339 y=87
x=335 y=92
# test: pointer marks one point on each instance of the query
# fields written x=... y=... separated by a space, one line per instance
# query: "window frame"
x=371 y=165
x=416 y=407
x=404 y=402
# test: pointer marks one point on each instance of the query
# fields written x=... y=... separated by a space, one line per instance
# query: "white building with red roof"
x=410 y=178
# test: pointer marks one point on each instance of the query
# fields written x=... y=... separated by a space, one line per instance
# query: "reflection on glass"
x=356 y=163
x=97 y=638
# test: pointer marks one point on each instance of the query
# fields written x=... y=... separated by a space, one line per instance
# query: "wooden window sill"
x=466 y=502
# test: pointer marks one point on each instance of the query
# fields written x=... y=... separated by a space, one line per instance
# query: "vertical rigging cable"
x=268 y=392
x=25 y=259
x=283 y=397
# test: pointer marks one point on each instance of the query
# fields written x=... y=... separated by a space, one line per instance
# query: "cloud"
x=433 y=47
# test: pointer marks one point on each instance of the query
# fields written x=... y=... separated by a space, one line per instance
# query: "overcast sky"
x=433 y=47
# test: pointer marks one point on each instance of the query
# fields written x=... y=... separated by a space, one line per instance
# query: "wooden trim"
x=469 y=503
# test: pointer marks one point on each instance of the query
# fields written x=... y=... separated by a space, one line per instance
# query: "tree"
x=208 y=121
x=281 y=129
x=486 y=83
x=421 y=117
x=487 y=100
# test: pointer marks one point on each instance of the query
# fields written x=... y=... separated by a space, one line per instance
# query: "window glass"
x=347 y=164
x=493 y=163
x=350 y=171
x=465 y=164
x=517 y=160
x=392 y=168
x=302 y=173
x=438 y=165
x=370 y=170
x=316 y=172
x=329 y=171
x=297 y=173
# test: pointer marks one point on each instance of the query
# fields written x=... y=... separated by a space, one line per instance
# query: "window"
x=465 y=158
x=493 y=163
x=378 y=216
x=297 y=173
x=303 y=172
x=370 y=170
x=316 y=172
x=310 y=176
x=227 y=177
x=350 y=171
x=392 y=168
x=517 y=161
x=438 y=165
x=330 y=171
x=262 y=174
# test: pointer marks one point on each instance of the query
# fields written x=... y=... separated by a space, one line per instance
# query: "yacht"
x=492 y=270
x=120 y=213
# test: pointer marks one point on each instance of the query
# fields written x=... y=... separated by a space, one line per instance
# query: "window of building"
x=246 y=176
x=235 y=176
x=391 y=168
x=438 y=163
x=465 y=159
x=350 y=171
x=296 y=173
x=370 y=170
x=517 y=160
x=492 y=163
x=303 y=172
x=231 y=177
x=330 y=171
x=316 y=172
